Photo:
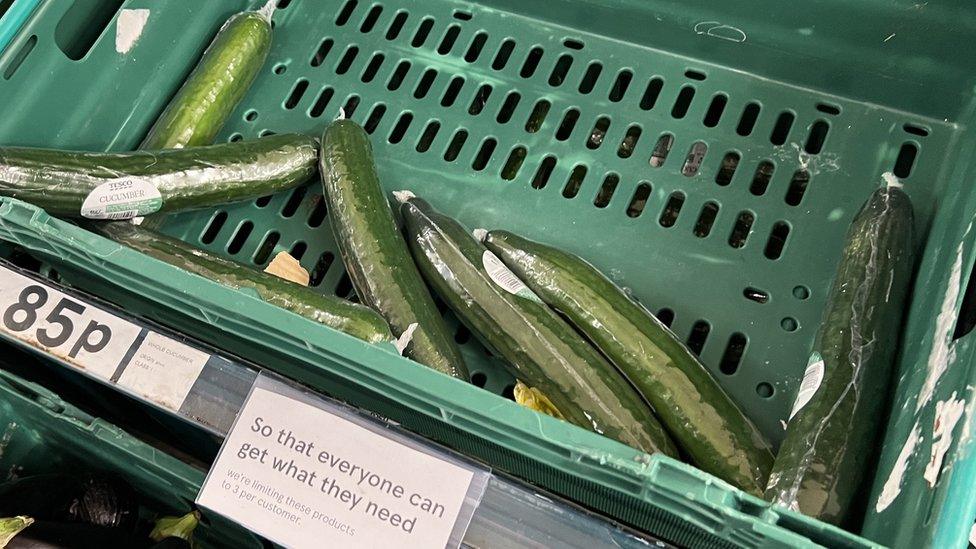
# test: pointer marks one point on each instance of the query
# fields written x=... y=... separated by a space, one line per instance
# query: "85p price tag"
x=82 y=335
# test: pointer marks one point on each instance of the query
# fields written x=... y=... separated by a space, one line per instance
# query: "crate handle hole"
x=80 y=26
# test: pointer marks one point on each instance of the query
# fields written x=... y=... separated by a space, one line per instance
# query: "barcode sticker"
x=812 y=378
x=501 y=275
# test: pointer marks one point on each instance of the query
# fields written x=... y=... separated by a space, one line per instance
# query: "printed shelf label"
x=303 y=472
x=101 y=344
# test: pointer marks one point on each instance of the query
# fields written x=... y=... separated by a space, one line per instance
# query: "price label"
x=146 y=363
x=76 y=332
x=303 y=472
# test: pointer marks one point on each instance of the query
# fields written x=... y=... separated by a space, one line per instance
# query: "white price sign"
x=82 y=335
x=305 y=473
x=146 y=363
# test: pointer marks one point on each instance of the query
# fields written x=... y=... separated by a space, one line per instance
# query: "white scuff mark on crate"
x=892 y=486
x=890 y=36
x=129 y=28
x=717 y=29
x=968 y=424
x=812 y=163
x=947 y=414
x=942 y=350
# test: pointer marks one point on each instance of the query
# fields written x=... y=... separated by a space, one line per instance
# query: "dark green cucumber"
x=60 y=181
x=355 y=320
x=701 y=417
x=823 y=463
x=218 y=83
x=374 y=253
x=540 y=348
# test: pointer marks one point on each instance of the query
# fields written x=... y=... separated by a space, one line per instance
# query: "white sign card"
x=304 y=472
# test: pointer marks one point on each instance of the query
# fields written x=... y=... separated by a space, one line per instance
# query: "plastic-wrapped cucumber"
x=355 y=320
x=698 y=414
x=121 y=185
x=539 y=347
x=837 y=418
x=374 y=253
x=218 y=83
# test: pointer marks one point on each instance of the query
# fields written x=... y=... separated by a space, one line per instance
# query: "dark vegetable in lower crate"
x=353 y=319
x=142 y=182
x=374 y=252
x=73 y=535
x=697 y=412
x=103 y=501
x=217 y=84
x=836 y=421
x=539 y=347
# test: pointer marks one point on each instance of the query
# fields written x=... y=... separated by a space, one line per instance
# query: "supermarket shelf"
x=511 y=513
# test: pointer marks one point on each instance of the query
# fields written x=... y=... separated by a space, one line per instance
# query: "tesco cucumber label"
x=504 y=277
x=122 y=199
x=812 y=378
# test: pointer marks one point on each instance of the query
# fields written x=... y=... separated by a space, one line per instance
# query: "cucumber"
x=698 y=414
x=122 y=185
x=374 y=252
x=539 y=347
x=834 y=428
x=218 y=83
x=355 y=320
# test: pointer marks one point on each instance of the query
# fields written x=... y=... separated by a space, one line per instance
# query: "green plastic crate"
x=708 y=155
x=44 y=434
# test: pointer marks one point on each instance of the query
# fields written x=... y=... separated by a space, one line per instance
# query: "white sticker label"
x=504 y=277
x=122 y=199
x=812 y=378
x=303 y=473
x=163 y=370
x=81 y=335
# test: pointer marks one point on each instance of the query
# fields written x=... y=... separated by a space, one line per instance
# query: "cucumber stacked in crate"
x=708 y=178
